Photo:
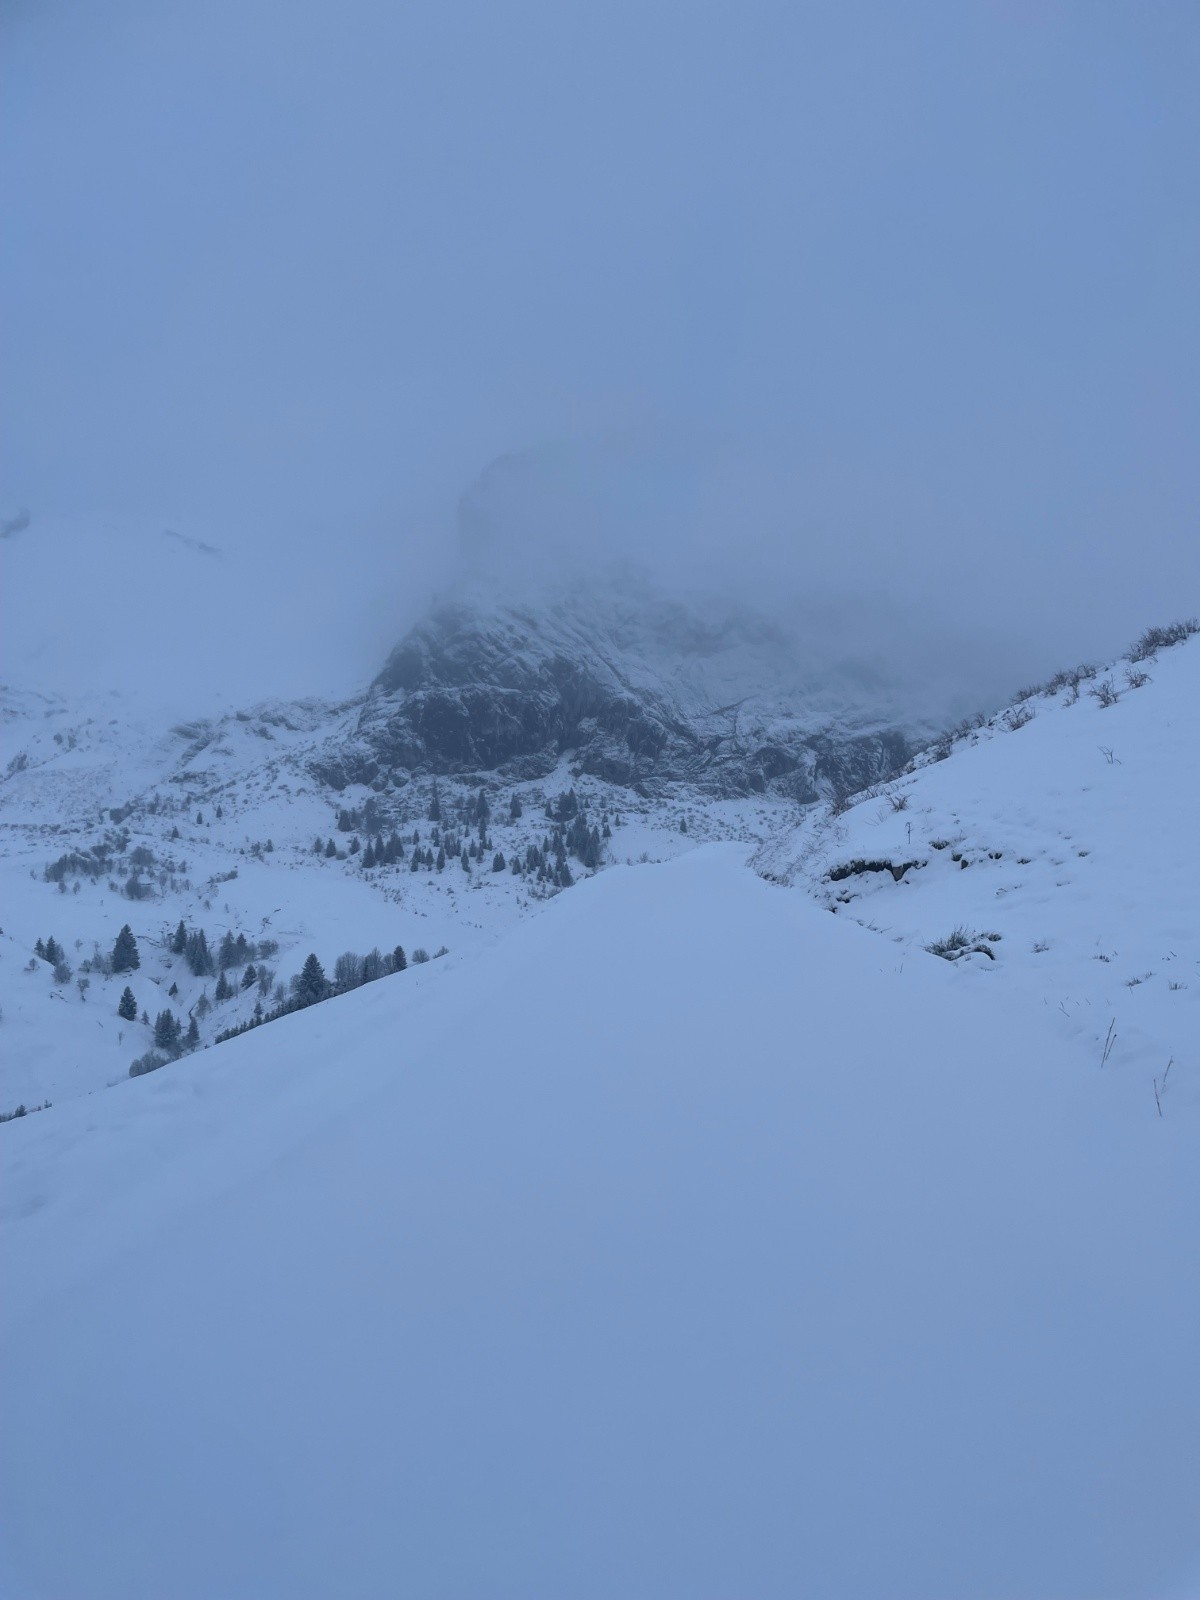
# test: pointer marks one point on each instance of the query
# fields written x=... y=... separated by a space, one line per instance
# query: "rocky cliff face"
x=632 y=687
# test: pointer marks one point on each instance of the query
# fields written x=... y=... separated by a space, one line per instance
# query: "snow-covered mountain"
x=612 y=707
x=264 y=824
x=667 y=1232
x=639 y=689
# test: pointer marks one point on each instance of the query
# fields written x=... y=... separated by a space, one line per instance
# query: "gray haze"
x=842 y=299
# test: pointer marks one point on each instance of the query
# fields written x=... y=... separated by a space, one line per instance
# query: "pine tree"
x=39 y=949
x=250 y=976
x=318 y=846
x=514 y=809
x=166 y=1031
x=368 y=859
x=127 y=1006
x=192 y=1037
x=227 y=954
x=125 y=956
x=435 y=805
x=311 y=985
x=222 y=991
x=441 y=859
x=399 y=959
x=499 y=863
x=54 y=952
x=197 y=954
x=330 y=850
x=179 y=939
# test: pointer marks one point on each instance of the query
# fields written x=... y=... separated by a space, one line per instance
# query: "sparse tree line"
x=233 y=952
x=458 y=831
x=122 y=958
x=111 y=856
x=50 y=951
x=309 y=987
x=23 y=1111
x=466 y=839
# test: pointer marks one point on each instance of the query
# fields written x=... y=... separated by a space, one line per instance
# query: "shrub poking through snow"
x=1155 y=639
x=1105 y=693
x=150 y=1062
x=963 y=943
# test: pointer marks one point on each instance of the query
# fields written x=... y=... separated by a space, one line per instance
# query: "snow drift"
x=688 y=1241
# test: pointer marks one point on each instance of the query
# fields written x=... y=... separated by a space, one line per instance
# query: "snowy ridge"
x=1058 y=840
x=649 y=707
x=532 y=1303
x=662 y=1244
x=1082 y=865
x=229 y=809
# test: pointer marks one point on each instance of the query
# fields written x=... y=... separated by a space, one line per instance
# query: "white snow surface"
x=686 y=1241
x=670 y=1236
x=1064 y=847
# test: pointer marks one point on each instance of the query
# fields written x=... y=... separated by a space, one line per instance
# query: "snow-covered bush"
x=1162 y=638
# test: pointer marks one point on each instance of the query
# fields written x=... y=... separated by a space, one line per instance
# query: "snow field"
x=686 y=1241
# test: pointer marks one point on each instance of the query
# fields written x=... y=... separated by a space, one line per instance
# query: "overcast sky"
x=894 y=295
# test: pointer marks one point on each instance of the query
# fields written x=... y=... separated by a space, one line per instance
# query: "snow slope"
x=228 y=811
x=1067 y=842
x=688 y=1241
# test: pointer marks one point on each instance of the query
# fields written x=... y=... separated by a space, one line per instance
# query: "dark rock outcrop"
x=632 y=688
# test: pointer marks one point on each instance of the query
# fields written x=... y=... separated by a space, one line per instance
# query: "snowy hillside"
x=1073 y=820
x=1054 y=851
x=687 y=1241
x=268 y=824
x=108 y=819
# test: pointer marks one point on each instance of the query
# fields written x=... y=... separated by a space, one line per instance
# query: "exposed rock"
x=634 y=688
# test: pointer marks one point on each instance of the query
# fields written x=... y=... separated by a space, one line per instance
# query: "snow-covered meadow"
x=1061 y=848
x=693 y=1230
x=689 y=1240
